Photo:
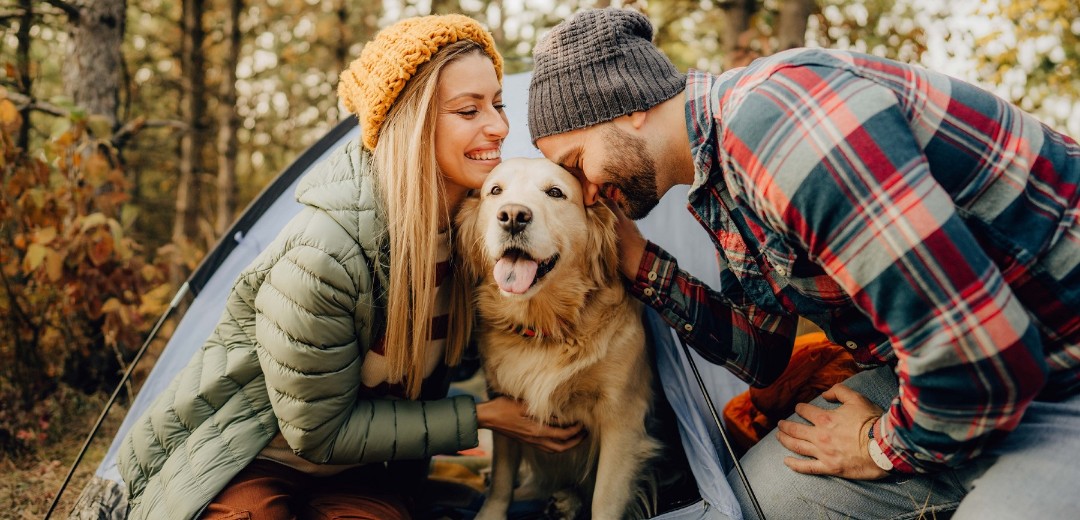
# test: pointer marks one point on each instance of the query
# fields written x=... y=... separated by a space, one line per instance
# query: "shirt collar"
x=704 y=103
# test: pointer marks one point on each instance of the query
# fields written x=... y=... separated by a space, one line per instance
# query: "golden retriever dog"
x=557 y=330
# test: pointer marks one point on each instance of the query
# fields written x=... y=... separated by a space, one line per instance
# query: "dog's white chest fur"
x=556 y=380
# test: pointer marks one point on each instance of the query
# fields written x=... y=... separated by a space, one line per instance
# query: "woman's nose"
x=497 y=126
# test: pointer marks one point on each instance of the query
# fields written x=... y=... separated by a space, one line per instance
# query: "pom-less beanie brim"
x=598 y=65
x=373 y=81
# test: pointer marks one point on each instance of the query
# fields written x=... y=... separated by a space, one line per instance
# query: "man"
x=928 y=226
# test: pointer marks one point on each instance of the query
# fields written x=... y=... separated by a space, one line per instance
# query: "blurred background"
x=133 y=132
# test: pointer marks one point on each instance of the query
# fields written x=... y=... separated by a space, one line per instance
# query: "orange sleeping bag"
x=816 y=364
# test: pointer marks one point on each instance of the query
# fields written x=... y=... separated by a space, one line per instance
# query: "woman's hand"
x=509 y=417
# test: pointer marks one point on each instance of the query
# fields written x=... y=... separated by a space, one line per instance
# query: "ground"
x=29 y=483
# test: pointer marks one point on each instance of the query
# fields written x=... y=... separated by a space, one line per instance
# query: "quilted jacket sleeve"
x=313 y=314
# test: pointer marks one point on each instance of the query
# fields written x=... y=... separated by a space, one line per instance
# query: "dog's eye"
x=555 y=193
x=495 y=190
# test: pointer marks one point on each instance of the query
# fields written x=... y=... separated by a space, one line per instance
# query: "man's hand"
x=835 y=440
x=509 y=417
x=631 y=241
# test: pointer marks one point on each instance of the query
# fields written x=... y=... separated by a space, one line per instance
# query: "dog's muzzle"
x=514 y=218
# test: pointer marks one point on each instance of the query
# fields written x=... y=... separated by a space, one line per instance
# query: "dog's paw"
x=565 y=505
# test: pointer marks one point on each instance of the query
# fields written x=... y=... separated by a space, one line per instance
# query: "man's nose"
x=589 y=191
x=514 y=218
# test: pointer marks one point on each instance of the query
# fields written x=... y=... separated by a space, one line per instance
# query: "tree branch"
x=121 y=137
x=23 y=102
x=9 y=14
x=73 y=12
x=126 y=132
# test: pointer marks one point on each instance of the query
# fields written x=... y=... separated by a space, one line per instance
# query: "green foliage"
x=888 y=28
x=1030 y=50
x=690 y=32
x=76 y=295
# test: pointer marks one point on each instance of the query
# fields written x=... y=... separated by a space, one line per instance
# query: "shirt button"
x=851 y=345
x=782 y=271
x=652 y=276
x=688 y=327
x=649 y=291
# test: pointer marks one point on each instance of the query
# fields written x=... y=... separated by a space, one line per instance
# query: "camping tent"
x=669 y=225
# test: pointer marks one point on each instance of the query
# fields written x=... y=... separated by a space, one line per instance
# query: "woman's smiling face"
x=471 y=124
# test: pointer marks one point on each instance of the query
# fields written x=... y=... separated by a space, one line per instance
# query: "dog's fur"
x=586 y=363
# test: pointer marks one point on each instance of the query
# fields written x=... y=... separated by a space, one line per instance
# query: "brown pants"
x=272 y=491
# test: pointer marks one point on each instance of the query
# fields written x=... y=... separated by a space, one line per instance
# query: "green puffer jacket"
x=286 y=355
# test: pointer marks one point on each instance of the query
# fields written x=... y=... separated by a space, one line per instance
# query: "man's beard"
x=632 y=171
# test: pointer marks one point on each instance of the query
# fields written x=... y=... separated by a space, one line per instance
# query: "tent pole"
x=184 y=289
x=723 y=433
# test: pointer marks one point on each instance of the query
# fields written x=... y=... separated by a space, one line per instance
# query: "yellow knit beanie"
x=373 y=81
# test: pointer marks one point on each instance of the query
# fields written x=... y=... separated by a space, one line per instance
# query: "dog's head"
x=528 y=227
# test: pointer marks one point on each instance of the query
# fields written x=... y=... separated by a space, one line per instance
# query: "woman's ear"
x=467 y=247
x=603 y=243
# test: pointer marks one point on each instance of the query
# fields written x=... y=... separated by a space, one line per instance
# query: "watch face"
x=877 y=455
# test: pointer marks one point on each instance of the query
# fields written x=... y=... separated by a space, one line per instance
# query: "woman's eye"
x=468 y=113
x=495 y=190
x=555 y=193
x=500 y=106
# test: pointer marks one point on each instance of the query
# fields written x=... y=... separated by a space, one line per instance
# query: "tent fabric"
x=669 y=225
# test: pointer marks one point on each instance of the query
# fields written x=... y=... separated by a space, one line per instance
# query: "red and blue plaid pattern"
x=919 y=220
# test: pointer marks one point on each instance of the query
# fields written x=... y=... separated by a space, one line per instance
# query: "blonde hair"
x=413 y=187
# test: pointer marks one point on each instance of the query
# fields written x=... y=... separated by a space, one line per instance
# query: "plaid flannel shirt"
x=919 y=220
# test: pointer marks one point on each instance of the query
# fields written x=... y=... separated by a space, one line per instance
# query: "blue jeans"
x=1033 y=473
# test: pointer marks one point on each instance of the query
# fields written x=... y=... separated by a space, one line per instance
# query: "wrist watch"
x=876 y=454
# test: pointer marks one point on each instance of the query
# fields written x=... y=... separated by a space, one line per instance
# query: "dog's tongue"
x=515 y=275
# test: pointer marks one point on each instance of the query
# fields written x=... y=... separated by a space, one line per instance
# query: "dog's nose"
x=514 y=217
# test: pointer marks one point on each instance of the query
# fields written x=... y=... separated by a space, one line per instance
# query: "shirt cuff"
x=653 y=276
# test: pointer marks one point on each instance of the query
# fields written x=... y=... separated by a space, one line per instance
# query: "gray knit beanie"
x=598 y=65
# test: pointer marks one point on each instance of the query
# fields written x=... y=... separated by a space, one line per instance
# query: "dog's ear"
x=603 y=243
x=468 y=249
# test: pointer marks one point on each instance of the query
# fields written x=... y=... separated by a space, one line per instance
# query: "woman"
x=322 y=391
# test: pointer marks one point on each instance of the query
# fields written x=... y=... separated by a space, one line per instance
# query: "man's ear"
x=632 y=122
x=468 y=249
x=603 y=243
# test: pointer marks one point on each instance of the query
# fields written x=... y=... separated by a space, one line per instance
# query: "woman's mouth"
x=485 y=155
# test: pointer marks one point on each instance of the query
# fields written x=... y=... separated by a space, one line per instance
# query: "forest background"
x=133 y=132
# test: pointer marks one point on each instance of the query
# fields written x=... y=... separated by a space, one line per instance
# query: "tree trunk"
x=228 y=121
x=498 y=31
x=92 y=71
x=22 y=61
x=192 y=112
x=340 y=49
x=445 y=6
x=737 y=32
x=791 y=26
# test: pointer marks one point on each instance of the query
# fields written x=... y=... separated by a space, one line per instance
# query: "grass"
x=29 y=482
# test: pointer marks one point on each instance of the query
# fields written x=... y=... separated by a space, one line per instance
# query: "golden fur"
x=587 y=362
